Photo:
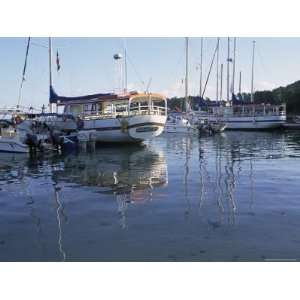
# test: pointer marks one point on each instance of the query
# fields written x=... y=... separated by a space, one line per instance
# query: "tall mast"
x=50 y=68
x=201 y=68
x=217 y=90
x=252 y=75
x=233 y=68
x=221 y=83
x=228 y=61
x=240 y=83
x=125 y=71
x=186 y=72
x=50 y=61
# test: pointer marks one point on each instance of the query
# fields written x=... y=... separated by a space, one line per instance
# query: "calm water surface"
x=231 y=197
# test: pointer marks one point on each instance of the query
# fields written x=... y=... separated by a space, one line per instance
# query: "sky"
x=87 y=66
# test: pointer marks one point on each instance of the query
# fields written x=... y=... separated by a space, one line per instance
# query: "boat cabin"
x=112 y=105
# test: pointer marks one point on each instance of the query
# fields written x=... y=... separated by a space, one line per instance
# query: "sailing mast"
x=221 y=83
x=201 y=67
x=252 y=75
x=125 y=71
x=233 y=67
x=186 y=73
x=217 y=92
x=50 y=67
x=228 y=61
x=240 y=83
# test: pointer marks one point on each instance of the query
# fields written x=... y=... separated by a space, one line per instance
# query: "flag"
x=57 y=61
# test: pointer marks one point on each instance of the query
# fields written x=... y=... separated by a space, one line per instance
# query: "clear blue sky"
x=87 y=65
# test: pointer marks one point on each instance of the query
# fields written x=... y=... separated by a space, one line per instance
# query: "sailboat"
x=179 y=122
x=246 y=116
x=130 y=117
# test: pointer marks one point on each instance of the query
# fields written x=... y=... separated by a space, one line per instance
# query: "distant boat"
x=245 y=116
x=180 y=123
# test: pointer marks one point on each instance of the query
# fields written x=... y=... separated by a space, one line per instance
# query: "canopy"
x=54 y=98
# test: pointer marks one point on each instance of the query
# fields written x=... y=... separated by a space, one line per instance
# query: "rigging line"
x=265 y=69
x=179 y=61
x=210 y=69
x=39 y=45
x=136 y=72
x=24 y=71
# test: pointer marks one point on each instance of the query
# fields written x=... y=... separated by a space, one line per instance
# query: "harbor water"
x=228 y=197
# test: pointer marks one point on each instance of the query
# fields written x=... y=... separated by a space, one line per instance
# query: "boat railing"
x=134 y=111
x=8 y=133
x=146 y=110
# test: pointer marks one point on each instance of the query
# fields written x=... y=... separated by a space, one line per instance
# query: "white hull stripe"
x=129 y=127
x=253 y=121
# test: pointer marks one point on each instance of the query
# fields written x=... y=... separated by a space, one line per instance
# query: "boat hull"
x=179 y=129
x=12 y=146
x=255 y=123
x=252 y=123
x=130 y=129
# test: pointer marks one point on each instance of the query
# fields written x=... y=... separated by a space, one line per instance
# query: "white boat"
x=244 y=116
x=247 y=116
x=10 y=139
x=179 y=124
x=131 y=117
x=128 y=117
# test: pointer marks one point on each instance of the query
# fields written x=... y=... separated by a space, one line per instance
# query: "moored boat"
x=10 y=139
x=130 y=117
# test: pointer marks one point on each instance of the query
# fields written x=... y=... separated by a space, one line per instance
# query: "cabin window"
x=121 y=108
x=108 y=109
x=75 y=109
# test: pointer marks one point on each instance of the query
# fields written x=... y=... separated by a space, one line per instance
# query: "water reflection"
x=211 y=186
x=59 y=215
